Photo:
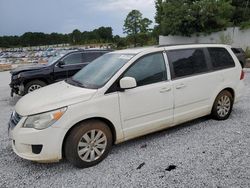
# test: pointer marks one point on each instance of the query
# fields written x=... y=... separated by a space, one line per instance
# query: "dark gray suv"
x=29 y=78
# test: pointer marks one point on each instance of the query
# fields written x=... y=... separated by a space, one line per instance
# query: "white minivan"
x=122 y=95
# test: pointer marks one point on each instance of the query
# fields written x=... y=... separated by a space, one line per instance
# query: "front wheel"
x=33 y=85
x=88 y=144
x=223 y=105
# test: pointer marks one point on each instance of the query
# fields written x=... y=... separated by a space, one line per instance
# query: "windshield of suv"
x=98 y=73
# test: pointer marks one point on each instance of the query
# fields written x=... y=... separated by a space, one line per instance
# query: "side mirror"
x=128 y=83
x=60 y=64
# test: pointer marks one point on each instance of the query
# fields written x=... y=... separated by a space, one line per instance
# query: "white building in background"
x=232 y=35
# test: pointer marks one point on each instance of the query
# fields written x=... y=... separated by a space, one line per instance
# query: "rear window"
x=187 y=62
x=220 y=58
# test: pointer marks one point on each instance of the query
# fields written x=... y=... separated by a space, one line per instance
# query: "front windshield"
x=98 y=73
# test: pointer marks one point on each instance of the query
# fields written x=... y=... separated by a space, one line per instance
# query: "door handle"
x=165 y=89
x=180 y=86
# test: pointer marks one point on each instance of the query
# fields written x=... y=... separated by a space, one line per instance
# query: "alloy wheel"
x=33 y=87
x=223 y=106
x=92 y=145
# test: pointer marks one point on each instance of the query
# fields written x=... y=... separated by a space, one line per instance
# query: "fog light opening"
x=36 y=149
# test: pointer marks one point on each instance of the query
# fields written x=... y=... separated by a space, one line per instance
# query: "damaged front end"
x=16 y=85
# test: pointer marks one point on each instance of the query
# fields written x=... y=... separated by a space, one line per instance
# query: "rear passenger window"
x=187 y=62
x=220 y=58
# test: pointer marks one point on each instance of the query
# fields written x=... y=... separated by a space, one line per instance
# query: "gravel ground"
x=201 y=153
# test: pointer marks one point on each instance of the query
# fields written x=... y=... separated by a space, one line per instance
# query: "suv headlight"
x=44 y=120
x=17 y=76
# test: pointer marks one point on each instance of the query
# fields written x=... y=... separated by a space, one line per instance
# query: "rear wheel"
x=33 y=85
x=223 y=105
x=88 y=144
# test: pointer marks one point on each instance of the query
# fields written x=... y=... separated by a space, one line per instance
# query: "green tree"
x=120 y=42
x=76 y=36
x=102 y=34
x=241 y=14
x=185 y=17
x=105 y=33
x=145 y=23
x=134 y=24
x=158 y=16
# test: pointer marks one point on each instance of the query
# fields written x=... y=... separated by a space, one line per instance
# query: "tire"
x=82 y=150
x=33 y=85
x=223 y=105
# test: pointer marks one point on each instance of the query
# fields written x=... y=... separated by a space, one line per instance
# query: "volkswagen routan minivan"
x=122 y=95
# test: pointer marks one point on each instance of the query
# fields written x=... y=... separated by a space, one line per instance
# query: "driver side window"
x=148 y=70
x=75 y=58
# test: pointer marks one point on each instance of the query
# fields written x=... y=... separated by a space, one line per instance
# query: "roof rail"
x=166 y=45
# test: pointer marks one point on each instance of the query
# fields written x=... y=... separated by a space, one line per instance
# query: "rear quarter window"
x=220 y=58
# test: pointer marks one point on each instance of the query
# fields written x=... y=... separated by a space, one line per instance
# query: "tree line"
x=100 y=35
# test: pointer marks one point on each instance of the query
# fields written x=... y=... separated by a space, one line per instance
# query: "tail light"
x=242 y=75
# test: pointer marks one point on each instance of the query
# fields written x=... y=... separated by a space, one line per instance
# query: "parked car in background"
x=241 y=55
x=29 y=78
x=123 y=95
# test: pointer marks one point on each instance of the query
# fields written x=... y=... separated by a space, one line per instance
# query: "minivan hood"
x=52 y=97
x=27 y=68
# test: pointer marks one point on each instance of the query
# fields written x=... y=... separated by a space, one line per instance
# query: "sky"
x=63 y=16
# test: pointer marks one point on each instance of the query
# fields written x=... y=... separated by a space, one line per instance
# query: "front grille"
x=14 y=119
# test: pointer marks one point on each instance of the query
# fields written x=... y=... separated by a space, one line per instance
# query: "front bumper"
x=37 y=145
x=16 y=86
x=17 y=89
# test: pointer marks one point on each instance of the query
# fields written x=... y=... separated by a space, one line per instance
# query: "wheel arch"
x=214 y=111
x=34 y=79
x=231 y=90
x=105 y=120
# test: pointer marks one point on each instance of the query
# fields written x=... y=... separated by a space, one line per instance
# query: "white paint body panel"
x=51 y=97
x=154 y=112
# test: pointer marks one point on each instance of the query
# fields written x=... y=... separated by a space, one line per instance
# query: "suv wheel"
x=222 y=106
x=33 y=85
x=88 y=144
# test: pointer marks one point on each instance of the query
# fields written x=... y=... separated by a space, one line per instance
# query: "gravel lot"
x=201 y=153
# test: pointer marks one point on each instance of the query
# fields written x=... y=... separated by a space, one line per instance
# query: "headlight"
x=17 y=76
x=14 y=77
x=44 y=120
